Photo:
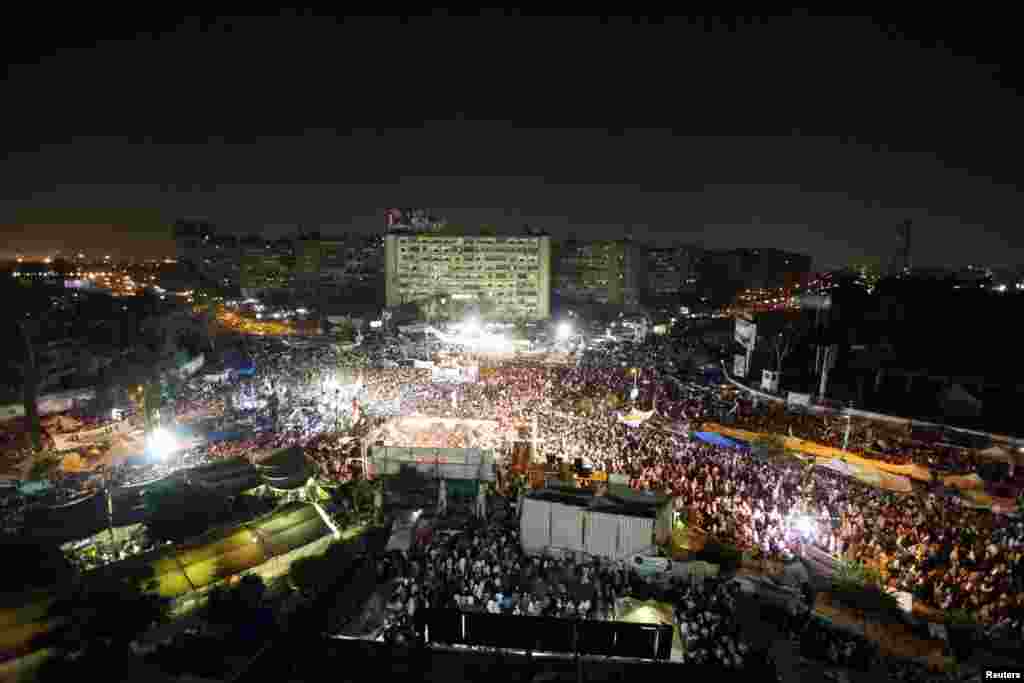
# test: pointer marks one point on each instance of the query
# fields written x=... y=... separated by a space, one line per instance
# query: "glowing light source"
x=564 y=331
x=162 y=443
x=805 y=526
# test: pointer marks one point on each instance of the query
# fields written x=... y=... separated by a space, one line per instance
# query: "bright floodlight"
x=805 y=525
x=161 y=442
x=564 y=331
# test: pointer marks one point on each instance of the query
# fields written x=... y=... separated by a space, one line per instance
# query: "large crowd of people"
x=482 y=568
x=943 y=552
x=868 y=438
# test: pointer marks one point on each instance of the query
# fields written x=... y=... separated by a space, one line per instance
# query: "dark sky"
x=812 y=134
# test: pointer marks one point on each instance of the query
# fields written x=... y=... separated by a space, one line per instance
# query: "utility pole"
x=906 y=243
x=110 y=510
x=849 y=418
x=31 y=389
x=828 y=360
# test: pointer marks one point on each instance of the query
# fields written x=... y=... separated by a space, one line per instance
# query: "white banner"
x=567 y=527
x=602 y=535
x=49 y=406
x=746 y=333
x=535 y=525
x=739 y=365
x=635 y=418
x=636 y=534
x=795 y=399
x=815 y=302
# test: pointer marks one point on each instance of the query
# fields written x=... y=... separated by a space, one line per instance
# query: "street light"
x=162 y=443
x=564 y=331
x=805 y=526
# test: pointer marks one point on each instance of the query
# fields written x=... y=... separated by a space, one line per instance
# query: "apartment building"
x=267 y=267
x=672 y=271
x=601 y=272
x=513 y=273
x=330 y=267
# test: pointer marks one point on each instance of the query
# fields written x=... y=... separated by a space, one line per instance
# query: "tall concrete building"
x=513 y=273
x=330 y=267
x=672 y=271
x=606 y=272
x=266 y=267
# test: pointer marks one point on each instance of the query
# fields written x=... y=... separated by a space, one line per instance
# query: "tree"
x=151 y=402
x=100 y=616
x=785 y=341
x=44 y=466
x=31 y=389
x=345 y=330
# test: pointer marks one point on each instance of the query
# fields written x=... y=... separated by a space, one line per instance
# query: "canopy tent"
x=635 y=418
x=716 y=439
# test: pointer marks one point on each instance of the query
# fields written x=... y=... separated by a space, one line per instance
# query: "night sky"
x=810 y=134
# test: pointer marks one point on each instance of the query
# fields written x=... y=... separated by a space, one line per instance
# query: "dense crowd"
x=868 y=438
x=948 y=555
x=483 y=569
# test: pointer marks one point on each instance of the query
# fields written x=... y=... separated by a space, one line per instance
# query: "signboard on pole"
x=801 y=400
x=739 y=365
x=746 y=333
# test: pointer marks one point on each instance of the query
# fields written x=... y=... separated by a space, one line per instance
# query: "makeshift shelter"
x=618 y=524
x=635 y=417
x=286 y=470
x=716 y=439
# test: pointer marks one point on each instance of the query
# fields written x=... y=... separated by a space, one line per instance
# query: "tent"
x=635 y=418
x=716 y=439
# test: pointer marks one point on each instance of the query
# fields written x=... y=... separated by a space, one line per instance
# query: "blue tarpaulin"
x=216 y=437
x=716 y=439
x=712 y=375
